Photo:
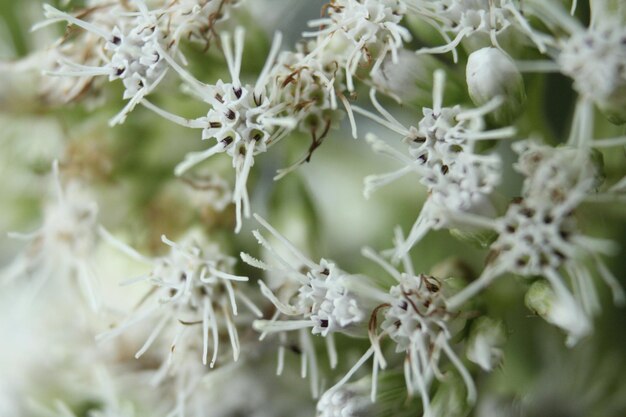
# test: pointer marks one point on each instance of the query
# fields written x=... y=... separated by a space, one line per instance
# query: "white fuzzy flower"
x=243 y=119
x=129 y=51
x=317 y=294
x=196 y=19
x=594 y=58
x=64 y=244
x=538 y=235
x=361 y=31
x=441 y=151
x=467 y=18
x=193 y=287
x=417 y=321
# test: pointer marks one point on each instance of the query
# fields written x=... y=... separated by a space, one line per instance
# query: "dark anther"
x=237 y=92
x=547 y=219
x=430 y=285
x=325 y=271
x=423 y=158
x=140 y=84
x=230 y=114
x=219 y=98
x=404 y=305
x=215 y=125
x=528 y=212
x=120 y=71
x=116 y=40
x=324 y=323
x=444 y=169
x=227 y=141
x=510 y=228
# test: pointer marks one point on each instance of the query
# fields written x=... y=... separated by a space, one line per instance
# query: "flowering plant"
x=401 y=210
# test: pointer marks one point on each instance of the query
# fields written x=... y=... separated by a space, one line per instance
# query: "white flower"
x=305 y=83
x=322 y=297
x=243 y=120
x=361 y=31
x=193 y=287
x=64 y=244
x=469 y=18
x=441 y=151
x=594 y=58
x=417 y=321
x=196 y=19
x=317 y=294
x=538 y=235
x=129 y=51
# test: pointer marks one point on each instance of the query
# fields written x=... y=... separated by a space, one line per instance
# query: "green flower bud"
x=559 y=308
x=491 y=73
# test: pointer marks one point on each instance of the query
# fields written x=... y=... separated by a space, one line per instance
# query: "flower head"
x=539 y=236
x=65 y=242
x=243 y=119
x=193 y=287
x=417 y=321
x=473 y=18
x=361 y=31
x=317 y=294
x=128 y=49
x=441 y=150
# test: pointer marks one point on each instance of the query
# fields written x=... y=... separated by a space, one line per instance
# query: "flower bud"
x=486 y=339
x=491 y=73
x=560 y=309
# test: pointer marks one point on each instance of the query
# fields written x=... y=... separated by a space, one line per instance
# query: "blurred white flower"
x=65 y=243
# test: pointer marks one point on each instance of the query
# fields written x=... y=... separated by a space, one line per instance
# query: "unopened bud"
x=491 y=73
x=485 y=343
x=560 y=309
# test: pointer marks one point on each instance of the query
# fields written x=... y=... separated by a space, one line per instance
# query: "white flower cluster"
x=411 y=324
x=442 y=151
